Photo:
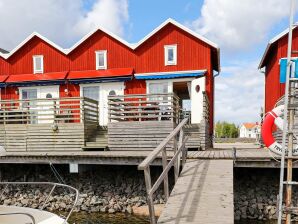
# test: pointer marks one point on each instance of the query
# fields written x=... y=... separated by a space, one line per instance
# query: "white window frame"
x=168 y=82
x=166 y=52
x=37 y=71
x=104 y=66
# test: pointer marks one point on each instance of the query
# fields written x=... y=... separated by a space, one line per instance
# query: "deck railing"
x=54 y=110
x=179 y=155
x=143 y=107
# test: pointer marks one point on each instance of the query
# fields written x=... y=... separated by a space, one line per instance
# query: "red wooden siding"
x=4 y=66
x=135 y=87
x=22 y=61
x=118 y=55
x=273 y=88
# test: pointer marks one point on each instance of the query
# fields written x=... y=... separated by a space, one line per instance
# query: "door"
x=47 y=107
x=106 y=89
x=91 y=92
x=40 y=111
x=197 y=98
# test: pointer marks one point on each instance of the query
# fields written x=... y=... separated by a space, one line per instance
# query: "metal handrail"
x=51 y=192
x=20 y=213
x=179 y=148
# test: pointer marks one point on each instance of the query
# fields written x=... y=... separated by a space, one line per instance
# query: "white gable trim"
x=272 y=41
x=130 y=45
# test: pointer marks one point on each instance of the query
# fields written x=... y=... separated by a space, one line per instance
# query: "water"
x=103 y=218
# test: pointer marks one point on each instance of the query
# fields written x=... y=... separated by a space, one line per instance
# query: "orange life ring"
x=273 y=117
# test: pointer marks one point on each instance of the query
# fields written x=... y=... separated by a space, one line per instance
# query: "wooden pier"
x=202 y=194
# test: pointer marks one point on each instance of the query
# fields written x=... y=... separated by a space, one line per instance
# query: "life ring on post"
x=273 y=117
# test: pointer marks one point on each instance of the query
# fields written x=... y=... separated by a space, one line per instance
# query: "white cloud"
x=62 y=21
x=239 y=93
x=239 y=24
x=101 y=14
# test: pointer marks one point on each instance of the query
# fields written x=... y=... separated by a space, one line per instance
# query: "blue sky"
x=242 y=30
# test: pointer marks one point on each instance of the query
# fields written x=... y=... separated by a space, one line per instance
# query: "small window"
x=112 y=93
x=38 y=64
x=101 y=60
x=171 y=55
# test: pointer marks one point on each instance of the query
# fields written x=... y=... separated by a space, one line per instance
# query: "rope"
x=55 y=171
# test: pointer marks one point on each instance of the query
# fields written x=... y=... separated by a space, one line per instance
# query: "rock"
x=111 y=211
x=129 y=209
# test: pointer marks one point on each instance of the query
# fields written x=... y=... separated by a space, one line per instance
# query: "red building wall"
x=274 y=90
x=118 y=55
x=54 y=61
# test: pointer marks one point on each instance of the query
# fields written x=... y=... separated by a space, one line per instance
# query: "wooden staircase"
x=98 y=140
x=194 y=137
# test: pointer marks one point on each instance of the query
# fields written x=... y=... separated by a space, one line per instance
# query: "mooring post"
x=234 y=155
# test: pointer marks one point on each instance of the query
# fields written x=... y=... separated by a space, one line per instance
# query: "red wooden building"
x=275 y=51
x=172 y=58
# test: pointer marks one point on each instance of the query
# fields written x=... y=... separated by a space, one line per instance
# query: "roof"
x=170 y=75
x=250 y=125
x=271 y=43
x=132 y=46
x=36 y=77
x=3 y=51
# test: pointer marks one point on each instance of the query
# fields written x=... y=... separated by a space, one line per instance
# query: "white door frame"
x=101 y=95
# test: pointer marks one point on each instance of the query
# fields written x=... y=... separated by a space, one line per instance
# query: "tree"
x=226 y=130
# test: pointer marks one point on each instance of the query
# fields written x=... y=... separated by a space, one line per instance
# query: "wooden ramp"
x=202 y=194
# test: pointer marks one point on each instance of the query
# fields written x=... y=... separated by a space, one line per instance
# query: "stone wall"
x=255 y=193
x=102 y=188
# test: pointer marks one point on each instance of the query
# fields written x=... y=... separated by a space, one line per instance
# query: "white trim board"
x=272 y=41
x=166 y=73
x=130 y=45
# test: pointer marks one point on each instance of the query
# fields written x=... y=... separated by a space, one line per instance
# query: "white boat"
x=23 y=215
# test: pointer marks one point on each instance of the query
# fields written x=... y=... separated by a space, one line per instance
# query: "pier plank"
x=202 y=194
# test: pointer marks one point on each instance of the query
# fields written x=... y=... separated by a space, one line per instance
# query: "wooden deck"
x=202 y=194
x=247 y=155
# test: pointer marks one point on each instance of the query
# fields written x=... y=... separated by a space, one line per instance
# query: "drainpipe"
x=217 y=74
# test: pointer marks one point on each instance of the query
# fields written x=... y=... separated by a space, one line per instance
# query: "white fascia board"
x=272 y=41
x=6 y=56
x=132 y=46
x=166 y=73
x=94 y=31
x=170 y=20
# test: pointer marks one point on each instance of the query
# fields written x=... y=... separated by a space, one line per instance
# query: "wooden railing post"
x=140 y=109
x=166 y=178
x=181 y=137
x=149 y=196
x=176 y=168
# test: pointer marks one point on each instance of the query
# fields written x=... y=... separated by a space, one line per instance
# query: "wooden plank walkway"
x=202 y=194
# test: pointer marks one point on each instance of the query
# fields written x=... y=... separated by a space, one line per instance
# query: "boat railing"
x=20 y=213
x=54 y=187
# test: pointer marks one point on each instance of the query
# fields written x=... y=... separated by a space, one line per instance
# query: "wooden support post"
x=166 y=179
x=149 y=196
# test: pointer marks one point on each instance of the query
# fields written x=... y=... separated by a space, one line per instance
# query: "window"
x=38 y=64
x=158 y=88
x=171 y=55
x=91 y=92
x=101 y=60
